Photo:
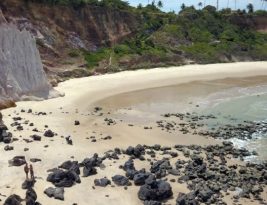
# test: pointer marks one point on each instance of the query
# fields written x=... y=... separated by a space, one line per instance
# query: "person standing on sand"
x=31 y=172
x=26 y=170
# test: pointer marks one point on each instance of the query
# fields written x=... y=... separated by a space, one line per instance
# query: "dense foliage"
x=204 y=36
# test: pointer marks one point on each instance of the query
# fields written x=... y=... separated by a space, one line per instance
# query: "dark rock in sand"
x=187 y=199
x=57 y=193
x=31 y=197
x=71 y=166
x=69 y=140
x=33 y=160
x=49 y=133
x=121 y=180
x=135 y=151
x=155 y=190
x=62 y=178
x=152 y=203
x=140 y=178
x=27 y=184
x=76 y=122
x=102 y=182
x=90 y=164
x=13 y=200
x=36 y=137
x=17 y=161
x=8 y=148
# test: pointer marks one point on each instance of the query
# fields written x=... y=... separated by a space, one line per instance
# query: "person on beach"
x=26 y=170
x=31 y=172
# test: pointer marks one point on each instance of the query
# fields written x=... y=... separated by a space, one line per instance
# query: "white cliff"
x=21 y=69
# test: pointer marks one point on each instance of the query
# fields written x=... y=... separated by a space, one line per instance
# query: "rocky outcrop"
x=59 y=29
x=21 y=69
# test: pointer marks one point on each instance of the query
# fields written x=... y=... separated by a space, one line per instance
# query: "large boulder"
x=13 y=200
x=155 y=190
x=61 y=178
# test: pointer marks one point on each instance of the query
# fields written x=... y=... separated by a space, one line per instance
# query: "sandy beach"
x=81 y=97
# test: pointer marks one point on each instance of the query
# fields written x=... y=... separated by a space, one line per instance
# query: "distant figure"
x=31 y=172
x=26 y=170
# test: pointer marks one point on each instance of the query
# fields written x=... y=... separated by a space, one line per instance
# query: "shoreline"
x=78 y=104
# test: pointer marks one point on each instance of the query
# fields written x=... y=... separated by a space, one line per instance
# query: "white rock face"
x=21 y=69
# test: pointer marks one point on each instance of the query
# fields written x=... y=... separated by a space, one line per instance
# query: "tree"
x=160 y=4
x=183 y=6
x=200 y=5
x=250 y=8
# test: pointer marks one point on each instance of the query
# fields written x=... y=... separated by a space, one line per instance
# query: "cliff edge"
x=21 y=72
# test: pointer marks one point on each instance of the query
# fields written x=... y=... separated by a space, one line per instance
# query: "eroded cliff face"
x=58 y=29
x=21 y=69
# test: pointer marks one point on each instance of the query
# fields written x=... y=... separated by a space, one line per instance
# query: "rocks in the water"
x=155 y=190
x=121 y=180
x=13 y=200
x=49 y=133
x=17 y=161
x=57 y=193
x=102 y=182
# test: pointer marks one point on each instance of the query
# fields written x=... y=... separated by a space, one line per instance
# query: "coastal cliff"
x=21 y=72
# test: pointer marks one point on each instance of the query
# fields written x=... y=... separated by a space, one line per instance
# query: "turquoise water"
x=237 y=105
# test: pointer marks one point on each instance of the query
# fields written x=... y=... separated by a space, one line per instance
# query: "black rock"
x=31 y=197
x=152 y=203
x=187 y=199
x=27 y=184
x=140 y=178
x=76 y=122
x=62 y=178
x=36 y=137
x=49 y=133
x=102 y=182
x=17 y=161
x=121 y=180
x=8 y=148
x=33 y=160
x=13 y=200
x=57 y=193
x=155 y=190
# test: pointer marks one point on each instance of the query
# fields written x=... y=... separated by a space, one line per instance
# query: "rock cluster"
x=204 y=170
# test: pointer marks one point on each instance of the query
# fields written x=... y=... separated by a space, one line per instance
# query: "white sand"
x=80 y=94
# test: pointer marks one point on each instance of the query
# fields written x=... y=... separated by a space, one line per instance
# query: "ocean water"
x=236 y=105
x=232 y=101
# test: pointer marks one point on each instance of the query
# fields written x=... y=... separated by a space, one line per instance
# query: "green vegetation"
x=202 y=35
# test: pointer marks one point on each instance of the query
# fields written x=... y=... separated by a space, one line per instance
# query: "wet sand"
x=81 y=96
